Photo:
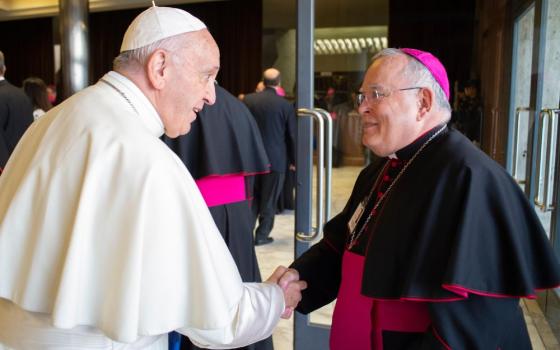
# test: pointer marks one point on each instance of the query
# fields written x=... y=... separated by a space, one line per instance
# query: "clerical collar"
x=2 y=78
x=408 y=151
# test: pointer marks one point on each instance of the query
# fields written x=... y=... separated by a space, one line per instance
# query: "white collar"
x=138 y=101
x=2 y=78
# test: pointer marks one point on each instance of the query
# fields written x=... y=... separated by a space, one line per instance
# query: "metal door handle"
x=328 y=161
x=549 y=114
x=303 y=236
x=539 y=202
x=518 y=111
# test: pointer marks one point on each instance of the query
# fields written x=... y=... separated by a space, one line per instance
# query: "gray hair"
x=137 y=58
x=2 y=63
x=418 y=75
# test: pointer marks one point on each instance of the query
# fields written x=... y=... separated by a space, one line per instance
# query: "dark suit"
x=16 y=114
x=277 y=121
x=4 y=155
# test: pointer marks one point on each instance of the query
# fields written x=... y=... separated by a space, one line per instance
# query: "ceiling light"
x=329 y=46
x=362 y=43
x=335 y=45
x=377 y=44
x=349 y=45
x=317 y=48
x=356 y=44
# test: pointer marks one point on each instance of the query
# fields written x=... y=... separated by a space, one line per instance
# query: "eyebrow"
x=373 y=86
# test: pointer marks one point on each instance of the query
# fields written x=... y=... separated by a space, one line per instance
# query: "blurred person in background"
x=276 y=119
x=36 y=89
x=16 y=114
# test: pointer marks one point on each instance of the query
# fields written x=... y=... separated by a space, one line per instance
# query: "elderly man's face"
x=389 y=123
x=192 y=84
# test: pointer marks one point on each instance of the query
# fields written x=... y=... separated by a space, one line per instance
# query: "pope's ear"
x=156 y=68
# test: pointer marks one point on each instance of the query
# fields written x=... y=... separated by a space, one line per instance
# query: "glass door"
x=534 y=153
x=545 y=182
x=522 y=124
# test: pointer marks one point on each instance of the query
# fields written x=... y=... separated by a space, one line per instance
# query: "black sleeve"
x=320 y=267
x=476 y=323
x=4 y=154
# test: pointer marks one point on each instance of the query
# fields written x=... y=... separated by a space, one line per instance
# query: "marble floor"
x=281 y=252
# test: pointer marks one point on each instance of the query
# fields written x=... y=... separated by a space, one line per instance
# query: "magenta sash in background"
x=220 y=190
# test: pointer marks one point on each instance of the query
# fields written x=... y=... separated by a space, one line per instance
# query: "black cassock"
x=4 y=152
x=224 y=140
x=16 y=114
x=454 y=227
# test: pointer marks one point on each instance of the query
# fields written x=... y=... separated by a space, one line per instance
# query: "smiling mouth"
x=369 y=124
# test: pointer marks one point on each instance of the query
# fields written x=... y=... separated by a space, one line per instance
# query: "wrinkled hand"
x=288 y=280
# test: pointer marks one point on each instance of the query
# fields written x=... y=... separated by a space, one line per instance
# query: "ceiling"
x=276 y=13
x=19 y=9
x=328 y=13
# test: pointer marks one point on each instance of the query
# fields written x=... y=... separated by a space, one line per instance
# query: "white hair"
x=418 y=75
x=137 y=58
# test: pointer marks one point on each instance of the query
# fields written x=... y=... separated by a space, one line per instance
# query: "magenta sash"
x=220 y=190
x=359 y=321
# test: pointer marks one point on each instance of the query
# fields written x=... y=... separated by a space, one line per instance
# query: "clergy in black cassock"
x=16 y=114
x=4 y=153
x=222 y=150
x=437 y=243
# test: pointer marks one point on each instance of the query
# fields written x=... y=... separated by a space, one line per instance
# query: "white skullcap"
x=158 y=23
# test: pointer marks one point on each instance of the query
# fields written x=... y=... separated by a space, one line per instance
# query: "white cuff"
x=257 y=314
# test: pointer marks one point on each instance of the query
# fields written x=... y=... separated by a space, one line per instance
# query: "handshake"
x=288 y=280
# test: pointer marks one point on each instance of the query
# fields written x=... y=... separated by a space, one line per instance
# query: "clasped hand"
x=288 y=280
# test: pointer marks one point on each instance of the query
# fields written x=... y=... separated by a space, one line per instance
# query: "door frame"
x=307 y=335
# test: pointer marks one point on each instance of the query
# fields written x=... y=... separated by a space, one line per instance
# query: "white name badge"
x=356 y=217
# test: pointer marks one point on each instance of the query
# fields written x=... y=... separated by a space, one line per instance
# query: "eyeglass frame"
x=377 y=95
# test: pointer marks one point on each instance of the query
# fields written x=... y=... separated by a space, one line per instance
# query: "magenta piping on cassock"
x=438 y=337
x=241 y=173
x=463 y=291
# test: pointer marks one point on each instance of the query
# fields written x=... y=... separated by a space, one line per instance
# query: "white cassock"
x=106 y=242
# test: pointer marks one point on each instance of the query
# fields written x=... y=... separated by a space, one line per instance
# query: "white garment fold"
x=24 y=330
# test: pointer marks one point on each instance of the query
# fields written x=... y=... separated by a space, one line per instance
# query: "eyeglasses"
x=375 y=95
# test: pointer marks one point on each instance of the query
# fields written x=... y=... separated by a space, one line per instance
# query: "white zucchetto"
x=157 y=23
